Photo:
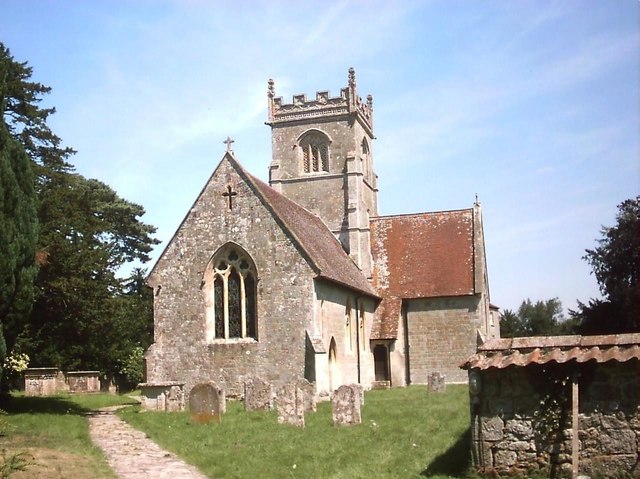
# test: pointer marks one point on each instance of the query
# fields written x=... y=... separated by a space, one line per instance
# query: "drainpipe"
x=358 y=335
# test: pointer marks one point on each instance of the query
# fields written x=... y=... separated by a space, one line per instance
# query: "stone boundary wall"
x=521 y=420
x=49 y=381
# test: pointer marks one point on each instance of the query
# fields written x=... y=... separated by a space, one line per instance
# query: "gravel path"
x=131 y=454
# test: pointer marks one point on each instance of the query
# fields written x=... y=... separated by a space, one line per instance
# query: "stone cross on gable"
x=229 y=194
x=228 y=142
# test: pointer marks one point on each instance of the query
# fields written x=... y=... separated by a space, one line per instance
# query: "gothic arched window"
x=230 y=295
x=314 y=146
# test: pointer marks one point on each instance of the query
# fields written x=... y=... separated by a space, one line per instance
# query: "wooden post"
x=575 y=448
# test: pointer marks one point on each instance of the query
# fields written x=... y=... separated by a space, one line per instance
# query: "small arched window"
x=230 y=295
x=349 y=325
x=365 y=156
x=314 y=147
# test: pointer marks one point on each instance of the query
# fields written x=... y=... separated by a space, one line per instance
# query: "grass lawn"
x=54 y=434
x=405 y=433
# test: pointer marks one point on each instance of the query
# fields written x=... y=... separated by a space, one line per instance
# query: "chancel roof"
x=321 y=248
x=423 y=255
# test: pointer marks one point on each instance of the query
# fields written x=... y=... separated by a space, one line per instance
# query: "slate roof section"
x=522 y=352
x=321 y=247
x=421 y=255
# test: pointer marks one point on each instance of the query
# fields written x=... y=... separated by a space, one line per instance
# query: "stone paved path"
x=131 y=454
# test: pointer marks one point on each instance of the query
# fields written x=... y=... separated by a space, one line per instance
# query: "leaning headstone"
x=435 y=382
x=346 y=403
x=175 y=399
x=207 y=402
x=290 y=405
x=309 y=394
x=258 y=395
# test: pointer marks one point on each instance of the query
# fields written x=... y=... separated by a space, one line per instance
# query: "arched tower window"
x=230 y=295
x=314 y=146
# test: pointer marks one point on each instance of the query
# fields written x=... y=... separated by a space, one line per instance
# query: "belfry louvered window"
x=314 y=146
x=229 y=287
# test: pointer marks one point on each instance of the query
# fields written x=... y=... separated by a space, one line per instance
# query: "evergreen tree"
x=616 y=265
x=542 y=318
x=86 y=233
x=18 y=226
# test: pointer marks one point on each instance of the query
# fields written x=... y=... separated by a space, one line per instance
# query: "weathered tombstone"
x=309 y=394
x=258 y=395
x=161 y=402
x=83 y=381
x=40 y=381
x=290 y=405
x=360 y=390
x=175 y=399
x=435 y=382
x=150 y=395
x=346 y=403
x=207 y=402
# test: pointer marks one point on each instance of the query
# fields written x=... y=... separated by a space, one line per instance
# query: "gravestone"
x=207 y=402
x=290 y=405
x=175 y=399
x=346 y=403
x=360 y=389
x=40 y=381
x=435 y=382
x=161 y=402
x=83 y=381
x=258 y=395
x=155 y=396
x=309 y=394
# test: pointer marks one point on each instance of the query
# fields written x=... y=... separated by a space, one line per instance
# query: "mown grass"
x=54 y=434
x=405 y=433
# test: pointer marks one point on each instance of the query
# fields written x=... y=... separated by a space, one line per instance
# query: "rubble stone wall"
x=521 y=419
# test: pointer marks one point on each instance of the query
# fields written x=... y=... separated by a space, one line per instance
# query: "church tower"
x=321 y=159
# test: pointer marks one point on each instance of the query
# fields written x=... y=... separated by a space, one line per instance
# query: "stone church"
x=303 y=278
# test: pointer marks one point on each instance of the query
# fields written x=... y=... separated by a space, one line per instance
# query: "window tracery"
x=230 y=295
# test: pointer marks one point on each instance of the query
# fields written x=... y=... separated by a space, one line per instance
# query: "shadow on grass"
x=41 y=405
x=455 y=461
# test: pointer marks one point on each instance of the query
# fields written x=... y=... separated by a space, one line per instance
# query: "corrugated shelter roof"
x=321 y=247
x=421 y=255
x=521 y=352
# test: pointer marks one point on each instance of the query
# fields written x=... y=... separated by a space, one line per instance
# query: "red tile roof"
x=502 y=353
x=321 y=248
x=422 y=255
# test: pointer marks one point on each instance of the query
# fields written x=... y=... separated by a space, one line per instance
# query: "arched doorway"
x=381 y=362
x=334 y=373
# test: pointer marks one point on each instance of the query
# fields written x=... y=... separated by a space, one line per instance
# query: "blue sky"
x=533 y=105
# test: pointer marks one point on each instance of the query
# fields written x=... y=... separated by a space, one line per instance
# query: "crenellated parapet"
x=324 y=105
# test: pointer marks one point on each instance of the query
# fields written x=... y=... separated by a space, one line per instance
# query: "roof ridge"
x=423 y=213
x=268 y=194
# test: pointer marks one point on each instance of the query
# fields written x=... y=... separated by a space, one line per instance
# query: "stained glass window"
x=218 y=293
x=234 y=295
x=235 y=321
x=250 y=298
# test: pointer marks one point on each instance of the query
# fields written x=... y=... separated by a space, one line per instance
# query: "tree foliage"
x=18 y=222
x=542 y=318
x=615 y=262
x=84 y=315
